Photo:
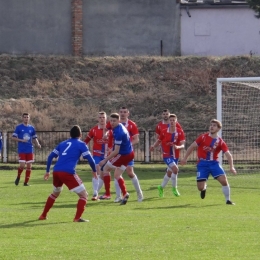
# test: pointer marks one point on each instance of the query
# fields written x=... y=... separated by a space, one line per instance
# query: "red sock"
x=107 y=179
x=122 y=186
x=27 y=175
x=80 y=207
x=19 y=170
x=49 y=203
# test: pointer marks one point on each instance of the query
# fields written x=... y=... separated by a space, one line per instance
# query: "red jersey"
x=168 y=140
x=209 y=148
x=130 y=126
x=163 y=125
x=100 y=145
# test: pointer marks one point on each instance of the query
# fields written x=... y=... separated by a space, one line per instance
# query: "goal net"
x=238 y=108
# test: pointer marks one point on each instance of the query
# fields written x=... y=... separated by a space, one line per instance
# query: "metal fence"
x=238 y=142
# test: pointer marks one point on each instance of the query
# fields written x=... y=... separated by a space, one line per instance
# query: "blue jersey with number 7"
x=69 y=153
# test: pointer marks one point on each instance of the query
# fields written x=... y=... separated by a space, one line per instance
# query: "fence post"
x=147 y=147
x=5 y=147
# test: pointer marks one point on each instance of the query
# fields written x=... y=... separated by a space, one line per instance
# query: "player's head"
x=124 y=113
x=165 y=114
x=75 y=132
x=172 y=119
x=102 y=117
x=26 y=118
x=215 y=126
x=114 y=119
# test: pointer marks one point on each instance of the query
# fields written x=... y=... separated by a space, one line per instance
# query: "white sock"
x=136 y=184
x=174 y=180
x=95 y=185
x=100 y=184
x=117 y=188
x=226 y=192
x=165 y=180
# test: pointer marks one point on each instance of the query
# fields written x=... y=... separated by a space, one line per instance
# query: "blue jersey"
x=27 y=133
x=122 y=138
x=1 y=141
x=69 y=152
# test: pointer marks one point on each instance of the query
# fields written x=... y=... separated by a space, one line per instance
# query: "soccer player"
x=171 y=139
x=25 y=135
x=208 y=147
x=100 y=150
x=164 y=123
x=1 y=144
x=68 y=153
x=121 y=155
x=134 y=137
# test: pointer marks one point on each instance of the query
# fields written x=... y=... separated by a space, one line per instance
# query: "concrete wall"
x=35 y=26
x=130 y=27
x=220 y=32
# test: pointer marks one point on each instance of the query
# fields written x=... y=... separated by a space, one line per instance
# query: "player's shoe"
x=105 y=197
x=176 y=192
x=229 y=202
x=203 y=193
x=16 y=182
x=26 y=184
x=42 y=217
x=80 y=220
x=125 y=199
x=160 y=189
x=140 y=196
x=95 y=197
x=118 y=199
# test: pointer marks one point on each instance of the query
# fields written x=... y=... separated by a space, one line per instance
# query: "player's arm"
x=16 y=139
x=193 y=146
x=230 y=162
x=135 y=139
x=181 y=146
x=156 y=144
x=87 y=155
x=53 y=154
x=36 y=142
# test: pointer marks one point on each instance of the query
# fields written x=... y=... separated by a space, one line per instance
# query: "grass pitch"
x=158 y=228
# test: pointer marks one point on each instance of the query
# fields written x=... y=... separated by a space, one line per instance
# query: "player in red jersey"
x=165 y=122
x=100 y=150
x=209 y=145
x=171 y=139
x=134 y=137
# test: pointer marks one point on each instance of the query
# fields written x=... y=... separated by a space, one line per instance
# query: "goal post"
x=238 y=108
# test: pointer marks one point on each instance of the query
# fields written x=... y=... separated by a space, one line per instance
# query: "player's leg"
x=20 y=168
x=118 y=192
x=107 y=179
x=83 y=198
x=174 y=177
x=97 y=183
x=218 y=173
x=29 y=161
x=135 y=181
x=118 y=176
x=57 y=188
x=203 y=172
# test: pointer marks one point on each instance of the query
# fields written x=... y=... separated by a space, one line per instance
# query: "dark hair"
x=26 y=114
x=75 y=131
x=115 y=115
x=102 y=113
x=124 y=108
x=172 y=115
x=166 y=110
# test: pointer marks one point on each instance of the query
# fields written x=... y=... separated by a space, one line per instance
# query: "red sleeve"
x=110 y=139
x=134 y=129
x=181 y=136
x=108 y=126
x=199 y=139
x=89 y=136
x=157 y=129
x=178 y=125
x=224 y=146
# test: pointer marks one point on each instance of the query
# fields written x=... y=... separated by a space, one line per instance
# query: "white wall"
x=220 y=32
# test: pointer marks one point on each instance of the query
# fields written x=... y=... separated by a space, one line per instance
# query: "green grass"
x=168 y=228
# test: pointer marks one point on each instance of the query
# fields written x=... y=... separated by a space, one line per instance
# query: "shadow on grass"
x=29 y=224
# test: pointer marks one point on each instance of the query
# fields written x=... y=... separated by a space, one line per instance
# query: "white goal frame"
x=219 y=97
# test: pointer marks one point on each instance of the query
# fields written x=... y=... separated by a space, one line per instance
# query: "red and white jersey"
x=209 y=148
x=100 y=146
x=168 y=140
x=130 y=126
x=162 y=125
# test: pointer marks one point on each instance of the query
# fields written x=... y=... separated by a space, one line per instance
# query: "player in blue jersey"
x=68 y=153
x=25 y=135
x=121 y=155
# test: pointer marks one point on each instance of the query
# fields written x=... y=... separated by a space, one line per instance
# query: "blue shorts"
x=131 y=163
x=98 y=159
x=205 y=168
x=169 y=161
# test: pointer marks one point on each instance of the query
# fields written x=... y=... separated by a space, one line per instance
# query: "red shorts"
x=26 y=157
x=70 y=180
x=122 y=159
